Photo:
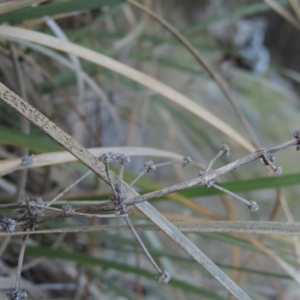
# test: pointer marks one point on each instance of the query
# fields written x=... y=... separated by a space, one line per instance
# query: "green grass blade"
x=246 y=185
x=54 y=8
x=35 y=143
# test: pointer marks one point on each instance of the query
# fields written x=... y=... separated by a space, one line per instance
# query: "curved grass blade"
x=130 y=73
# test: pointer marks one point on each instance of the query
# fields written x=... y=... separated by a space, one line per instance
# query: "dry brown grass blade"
x=94 y=164
x=14 y=5
x=283 y=13
x=139 y=77
x=53 y=158
x=296 y=7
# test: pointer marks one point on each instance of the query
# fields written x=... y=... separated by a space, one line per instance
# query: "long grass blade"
x=130 y=73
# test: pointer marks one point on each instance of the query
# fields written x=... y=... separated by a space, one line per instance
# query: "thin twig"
x=156 y=267
x=223 y=151
x=207 y=177
x=68 y=188
x=74 y=213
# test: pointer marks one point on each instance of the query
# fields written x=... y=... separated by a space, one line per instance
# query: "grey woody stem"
x=202 y=180
x=156 y=267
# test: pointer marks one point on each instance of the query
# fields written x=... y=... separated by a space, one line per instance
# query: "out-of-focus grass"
x=270 y=109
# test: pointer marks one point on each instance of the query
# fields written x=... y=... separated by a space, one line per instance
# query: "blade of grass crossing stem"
x=98 y=168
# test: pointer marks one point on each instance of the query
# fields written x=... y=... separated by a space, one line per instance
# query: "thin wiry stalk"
x=20 y=260
x=210 y=164
x=140 y=175
x=252 y=205
x=150 y=167
x=157 y=268
x=202 y=180
x=68 y=188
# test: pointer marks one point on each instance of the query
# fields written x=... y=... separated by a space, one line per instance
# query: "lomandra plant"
x=23 y=217
x=124 y=196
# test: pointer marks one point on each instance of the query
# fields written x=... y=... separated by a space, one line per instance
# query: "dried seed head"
x=149 y=166
x=121 y=209
x=38 y=200
x=31 y=223
x=33 y=209
x=164 y=278
x=27 y=160
x=120 y=206
x=16 y=294
x=68 y=210
x=201 y=172
x=7 y=224
x=123 y=158
x=278 y=170
x=210 y=183
x=253 y=206
x=108 y=157
x=187 y=161
x=296 y=134
x=226 y=150
x=297 y=137
x=272 y=159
